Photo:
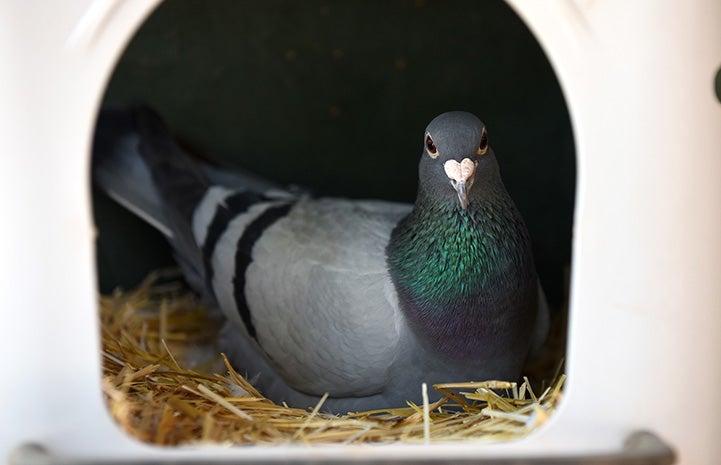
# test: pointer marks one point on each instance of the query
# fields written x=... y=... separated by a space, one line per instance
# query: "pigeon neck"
x=462 y=274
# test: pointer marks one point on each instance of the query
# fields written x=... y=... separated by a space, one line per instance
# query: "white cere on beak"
x=460 y=171
x=462 y=177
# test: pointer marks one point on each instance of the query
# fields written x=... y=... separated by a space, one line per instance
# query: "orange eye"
x=483 y=145
x=431 y=147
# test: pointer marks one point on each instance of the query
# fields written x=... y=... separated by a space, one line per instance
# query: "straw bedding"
x=165 y=383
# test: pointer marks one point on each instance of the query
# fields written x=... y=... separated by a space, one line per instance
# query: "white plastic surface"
x=645 y=330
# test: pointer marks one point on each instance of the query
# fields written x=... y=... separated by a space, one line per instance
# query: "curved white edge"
x=56 y=60
x=645 y=294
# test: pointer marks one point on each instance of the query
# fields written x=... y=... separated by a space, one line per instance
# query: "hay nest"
x=165 y=383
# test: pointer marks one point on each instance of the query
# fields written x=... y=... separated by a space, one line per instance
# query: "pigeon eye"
x=431 y=147
x=483 y=145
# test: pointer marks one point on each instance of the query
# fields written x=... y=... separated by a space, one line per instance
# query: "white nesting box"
x=644 y=348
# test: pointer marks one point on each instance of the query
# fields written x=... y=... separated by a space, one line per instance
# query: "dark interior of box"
x=334 y=97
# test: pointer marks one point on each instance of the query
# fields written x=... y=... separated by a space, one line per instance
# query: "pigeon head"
x=457 y=160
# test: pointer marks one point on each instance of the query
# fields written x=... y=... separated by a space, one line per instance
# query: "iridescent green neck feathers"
x=462 y=276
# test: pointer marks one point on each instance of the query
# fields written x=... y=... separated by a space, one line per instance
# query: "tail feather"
x=121 y=173
x=139 y=163
x=179 y=182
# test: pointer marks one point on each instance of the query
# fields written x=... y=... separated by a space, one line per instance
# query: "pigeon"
x=358 y=302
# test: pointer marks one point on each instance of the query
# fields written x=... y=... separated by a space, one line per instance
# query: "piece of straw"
x=426 y=415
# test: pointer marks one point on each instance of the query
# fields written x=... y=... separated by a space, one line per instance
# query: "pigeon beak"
x=461 y=176
x=462 y=191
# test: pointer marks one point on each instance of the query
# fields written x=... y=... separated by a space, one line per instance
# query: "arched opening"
x=323 y=94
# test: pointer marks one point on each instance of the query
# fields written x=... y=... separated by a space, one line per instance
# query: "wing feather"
x=319 y=295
